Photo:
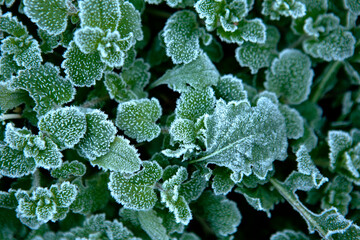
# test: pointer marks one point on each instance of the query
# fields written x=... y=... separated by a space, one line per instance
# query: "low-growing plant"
x=179 y=119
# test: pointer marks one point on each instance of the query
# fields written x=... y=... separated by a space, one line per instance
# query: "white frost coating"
x=49 y=15
x=137 y=118
x=287 y=8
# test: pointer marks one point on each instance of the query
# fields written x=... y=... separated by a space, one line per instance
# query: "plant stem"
x=10 y=116
x=324 y=81
x=93 y=102
x=297 y=205
x=298 y=41
x=36 y=179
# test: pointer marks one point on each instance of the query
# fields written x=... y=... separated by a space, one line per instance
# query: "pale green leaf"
x=49 y=15
x=130 y=22
x=74 y=168
x=136 y=191
x=288 y=235
x=100 y=133
x=183 y=131
x=45 y=86
x=294 y=122
x=287 y=8
x=10 y=97
x=122 y=157
x=230 y=88
x=137 y=118
x=193 y=187
x=88 y=39
x=222 y=183
x=323 y=25
x=64 y=194
x=290 y=76
x=353 y=6
x=152 y=225
x=65 y=126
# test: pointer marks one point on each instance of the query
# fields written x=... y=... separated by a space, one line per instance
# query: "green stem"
x=10 y=116
x=94 y=102
x=334 y=67
x=297 y=205
x=36 y=179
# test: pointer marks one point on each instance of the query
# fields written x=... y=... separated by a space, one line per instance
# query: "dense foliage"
x=179 y=119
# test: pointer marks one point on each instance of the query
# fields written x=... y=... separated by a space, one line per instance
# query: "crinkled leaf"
x=45 y=86
x=222 y=183
x=137 y=118
x=11 y=25
x=353 y=6
x=136 y=191
x=290 y=76
x=245 y=139
x=338 y=45
x=194 y=103
x=294 y=122
x=193 y=187
x=26 y=51
x=220 y=213
x=287 y=8
x=14 y=164
x=74 y=168
x=181 y=36
x=230 y=88
x=152 y=225
x=136 y=75
x=338 y=141
x=8 y=66
x=88 y=39
x=64 y=194
x=199 y=74
x=183 y=131
x=48 y=41
x=323 y=25
x=103 y=14
x=49 y=15
x=117 y=88
x=122 y=157
x=130 y=22
x=80 y=68
x=288 y=235
x=10 y=97
x=100 y=133
x=8 y=199
x=257 y=55
x=65 y=126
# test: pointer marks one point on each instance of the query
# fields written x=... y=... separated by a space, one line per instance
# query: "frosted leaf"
x=48 y=41
x=261 y=197
x=117 y=88
x=193 y=187
x=49 y=15
x=209 y=10
x=103 y=14
x=136 y=191
x=257 y=55
x=182 y=130
x=45 y=207
x=14 y=164
x=152 y=225
x=137 y=75
x=80 y=68
x=122 y=157
x=294 y=122
x=338 y=45
x=238 y=135
x=45 y=86
x=222 y=183
x=88 y=39
x=10 y=98
x=288 y=235
x=44 y=151
x=8 y=199
x=339 y=142
x=137 y=118
x=67 y=169
x=337 y=194
x=16 y=138
x=100 y=133
x=353 y=6
x=290 y=76
x=230 y=88
x=130 y=22
x=65 y=126
x=220 y=213
x=287 y=8
x=195 y=103
x=8 y=66
x=64 y=194
x=181 y=36
x=26 y=51
x=253 y=30
x=323 y=25
x=11 y=25
x=189 y=236
x=173 y=177
x=199 y=74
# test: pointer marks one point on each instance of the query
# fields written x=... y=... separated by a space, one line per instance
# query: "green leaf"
x=48 y=42
x=118 y=89
x=290 y=76
x=222 y=183
x=338 y=45
x=294 y=122
x=48 y=15
x=238 y=137
x=101 y=14
x=137 y=118
x=12 y=26
x=152 y=225
x=286 y=8
x=199 y=74
x=183 y=131
x=136 y=191
x=230 y=88
x=122 y=157
x=8 y=199
x=26 y=51
x=65 y=126
x=100 y=133
x=8 y=66
x=220 y=213
x=14 y=164
x=45 y=86
x=74 y=168
x=88 y=39
x=353 y=6
x=136 y=75
x=288 y=234
x=130 y=22
x=193 y=187
x=64 y=194
x=257 y=55
x=80 y=68
x=181 y=35
x=323 y=25
x=10 y=97
x=195 y=103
